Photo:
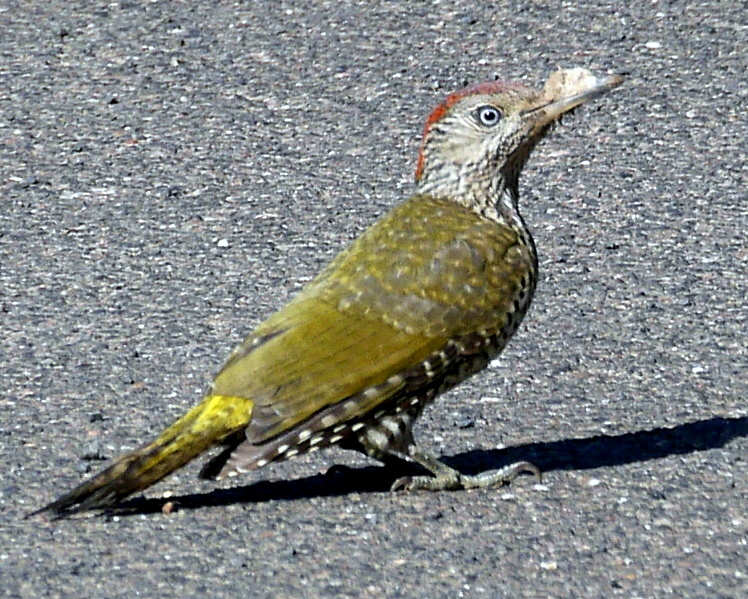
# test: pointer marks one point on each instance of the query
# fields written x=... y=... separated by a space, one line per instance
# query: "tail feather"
x=207 y=424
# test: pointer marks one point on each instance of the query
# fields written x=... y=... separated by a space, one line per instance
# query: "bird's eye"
x=488 y=116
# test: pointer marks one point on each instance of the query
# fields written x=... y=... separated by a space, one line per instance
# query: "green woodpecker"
x=425 y=298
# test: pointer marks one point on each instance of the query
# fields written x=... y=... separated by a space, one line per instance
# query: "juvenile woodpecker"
x=425 y=298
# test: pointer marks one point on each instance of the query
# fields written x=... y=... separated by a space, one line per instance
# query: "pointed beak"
x=565 y=90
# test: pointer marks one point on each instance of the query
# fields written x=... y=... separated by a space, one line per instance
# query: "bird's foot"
x=449 y=479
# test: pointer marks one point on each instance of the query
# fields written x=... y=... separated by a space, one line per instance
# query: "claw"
x=524 y=468
x=402 y=484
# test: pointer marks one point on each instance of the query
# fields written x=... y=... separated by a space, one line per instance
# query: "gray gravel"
x=173 y=171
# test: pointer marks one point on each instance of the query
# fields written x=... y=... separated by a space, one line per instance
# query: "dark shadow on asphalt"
x=571 y=454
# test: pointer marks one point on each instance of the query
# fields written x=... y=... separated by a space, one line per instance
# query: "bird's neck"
x=493 y=196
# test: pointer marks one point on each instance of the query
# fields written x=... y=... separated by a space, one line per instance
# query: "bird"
x=425 y=298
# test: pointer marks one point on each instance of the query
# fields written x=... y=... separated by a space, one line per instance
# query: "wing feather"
x=321 y=357
x=428 y=272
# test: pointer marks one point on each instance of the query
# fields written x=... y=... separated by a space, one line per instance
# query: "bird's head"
x=476 y=142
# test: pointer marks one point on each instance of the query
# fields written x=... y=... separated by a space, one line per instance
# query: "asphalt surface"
x=174 y=171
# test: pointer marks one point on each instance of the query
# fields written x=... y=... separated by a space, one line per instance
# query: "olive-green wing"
x=311 y=355
x=428 y=272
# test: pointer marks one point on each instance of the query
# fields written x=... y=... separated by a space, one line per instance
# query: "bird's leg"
x=446 y=478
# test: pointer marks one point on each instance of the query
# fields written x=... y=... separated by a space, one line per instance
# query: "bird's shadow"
x=569 y=454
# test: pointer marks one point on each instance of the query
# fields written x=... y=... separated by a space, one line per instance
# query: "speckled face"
x=491 y=126
x=472 y=124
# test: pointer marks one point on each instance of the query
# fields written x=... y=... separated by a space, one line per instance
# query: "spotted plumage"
x=425 y=298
